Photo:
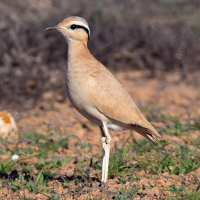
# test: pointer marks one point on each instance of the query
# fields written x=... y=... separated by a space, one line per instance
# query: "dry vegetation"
x=153 y=47
x=154 y=35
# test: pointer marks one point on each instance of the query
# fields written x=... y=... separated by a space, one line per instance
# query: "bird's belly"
x=92 y=114
x=115 y=127
x=84 y=106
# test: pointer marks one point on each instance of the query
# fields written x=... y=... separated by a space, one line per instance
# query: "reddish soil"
x=172 y=97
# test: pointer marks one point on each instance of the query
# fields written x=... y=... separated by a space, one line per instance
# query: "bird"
x=95 y=92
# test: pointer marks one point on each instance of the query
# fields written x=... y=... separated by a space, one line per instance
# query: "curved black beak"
x=51 y=27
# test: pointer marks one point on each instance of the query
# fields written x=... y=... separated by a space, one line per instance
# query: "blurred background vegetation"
x=160 y=36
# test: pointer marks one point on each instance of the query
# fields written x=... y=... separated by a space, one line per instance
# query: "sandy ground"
x=168 y=95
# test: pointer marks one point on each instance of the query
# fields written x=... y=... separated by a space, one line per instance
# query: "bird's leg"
x=103 y=140
x=107 y=152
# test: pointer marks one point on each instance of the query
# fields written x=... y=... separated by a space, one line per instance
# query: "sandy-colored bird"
x=95 y=92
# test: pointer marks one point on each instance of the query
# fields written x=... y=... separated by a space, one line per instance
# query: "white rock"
x=15 y=157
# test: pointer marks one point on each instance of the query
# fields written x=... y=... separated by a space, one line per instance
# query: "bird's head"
x=73 y=28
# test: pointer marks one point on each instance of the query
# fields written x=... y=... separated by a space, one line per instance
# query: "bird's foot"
x=103 y=140
x=107 y=139
x=104 y=185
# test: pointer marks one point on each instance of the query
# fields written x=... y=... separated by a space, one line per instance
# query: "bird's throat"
x=77 y=52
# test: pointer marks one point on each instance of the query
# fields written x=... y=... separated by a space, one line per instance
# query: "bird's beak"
x=51 y=27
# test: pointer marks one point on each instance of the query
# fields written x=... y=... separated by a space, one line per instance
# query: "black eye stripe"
x=75 y=26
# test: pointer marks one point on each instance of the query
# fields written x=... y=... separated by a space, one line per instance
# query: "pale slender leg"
x=106 y=146
x=103 y=140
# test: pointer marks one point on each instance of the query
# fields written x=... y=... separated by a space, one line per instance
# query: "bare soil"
x=172 y=97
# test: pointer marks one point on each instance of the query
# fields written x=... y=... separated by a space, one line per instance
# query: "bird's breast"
x=77 y=92
x=75 y=85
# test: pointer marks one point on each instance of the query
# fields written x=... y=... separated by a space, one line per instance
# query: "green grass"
x=34 y=176
x=46 y=145
x=37 y=186
x=7 y=166
x=196 y=142
x=181 y=192
x=180 y=129
x=126 y=161
x=139 y=156
x=197 y=124
x=49 y=165
x=127 y=192
x=143 y=155
x=179 y=160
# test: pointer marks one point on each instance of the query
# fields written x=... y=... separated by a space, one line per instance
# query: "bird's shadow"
x=84 y=183
x=79 y=178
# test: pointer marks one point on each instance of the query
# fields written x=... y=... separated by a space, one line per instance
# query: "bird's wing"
x=113 y=101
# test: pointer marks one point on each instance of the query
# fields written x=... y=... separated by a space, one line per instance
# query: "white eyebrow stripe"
x=81 y=24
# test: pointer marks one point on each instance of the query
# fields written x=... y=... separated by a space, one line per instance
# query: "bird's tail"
x=150 y=134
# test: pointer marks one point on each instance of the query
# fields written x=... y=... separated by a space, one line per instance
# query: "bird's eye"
x=73 y=26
